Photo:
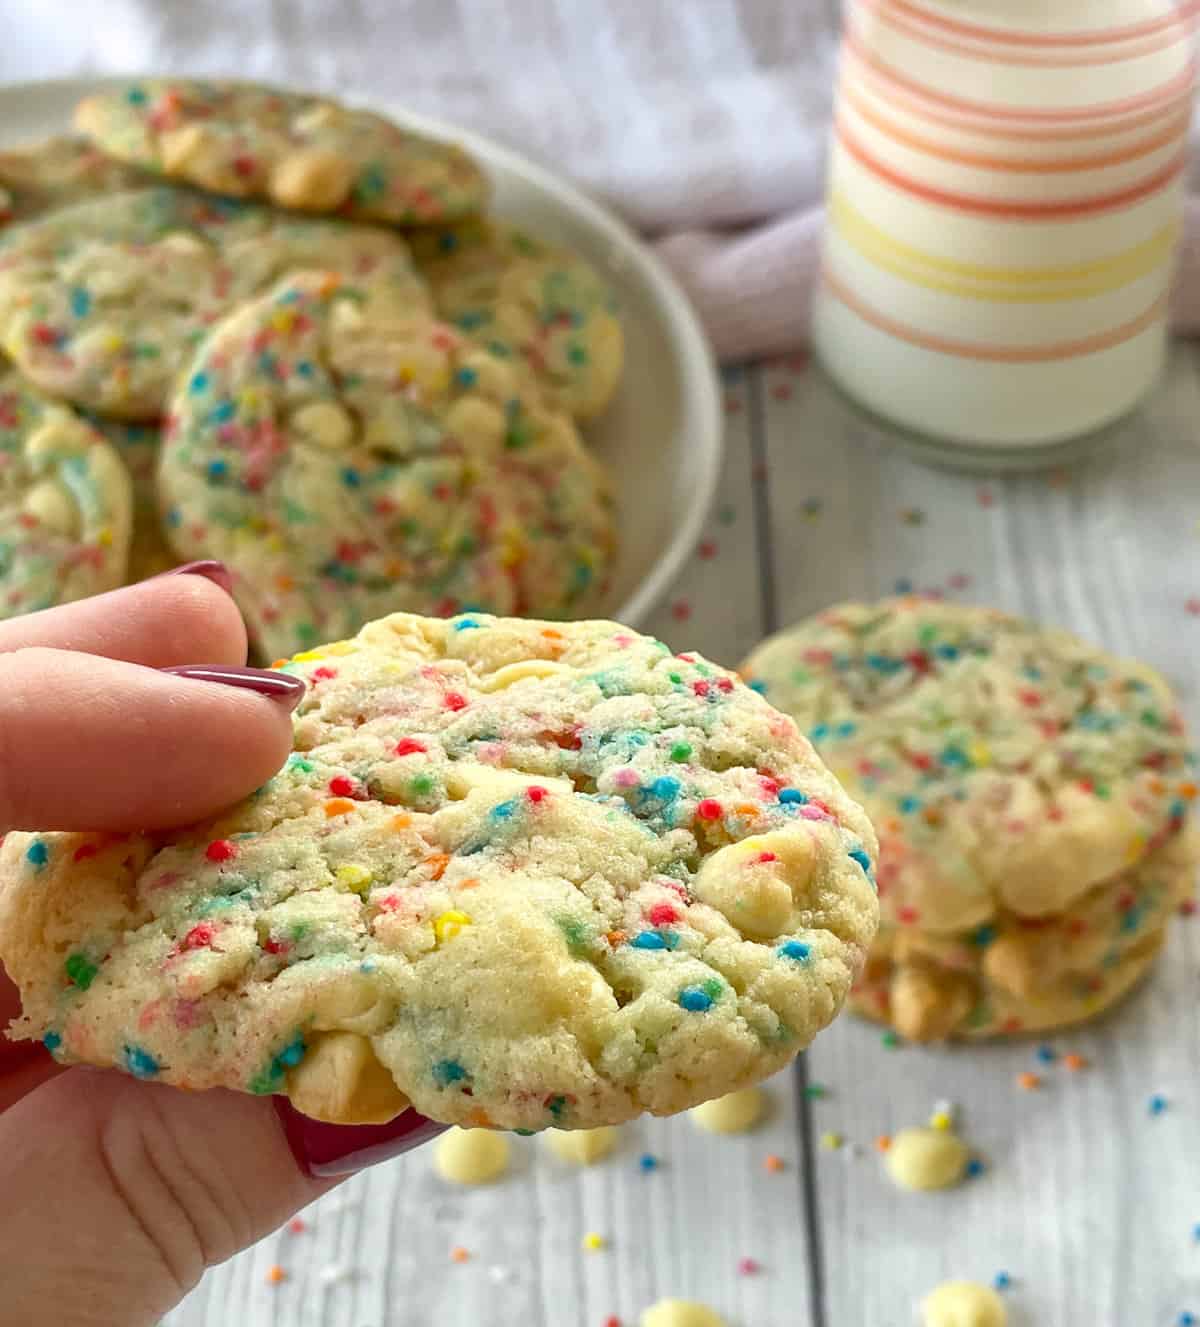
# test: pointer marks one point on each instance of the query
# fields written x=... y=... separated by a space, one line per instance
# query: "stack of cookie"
x=309 y=354
x=1031 y=795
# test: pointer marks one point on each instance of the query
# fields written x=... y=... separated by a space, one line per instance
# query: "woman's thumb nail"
x=279 y=687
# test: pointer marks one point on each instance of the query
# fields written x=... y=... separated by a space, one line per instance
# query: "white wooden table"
x=1088 y=1201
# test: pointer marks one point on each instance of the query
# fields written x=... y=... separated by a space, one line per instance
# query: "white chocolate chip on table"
x=471 y=1156
x=963 y=1304
x=680 y=1313
x=737 y=1112
x=582 y=1147
x=923 y=1158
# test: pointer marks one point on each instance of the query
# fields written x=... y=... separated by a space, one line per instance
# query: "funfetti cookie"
x=1021 y=781
x=519 y=874
x=545 y=308
x=39 y=177
x=346 y=463
x=102 y=304
x=65 y=504
x=140 y=445
x=308 y=153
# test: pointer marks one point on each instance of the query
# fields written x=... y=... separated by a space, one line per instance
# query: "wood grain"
x=1087 y=1200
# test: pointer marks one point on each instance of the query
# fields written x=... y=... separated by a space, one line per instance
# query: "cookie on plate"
x=545 y=308
x=65 y=504
x=516 y=873
x=104 y=302
x=140 y=448
x=346 y=463
x=304 y=152
x=1018 y=778
x=39 y=177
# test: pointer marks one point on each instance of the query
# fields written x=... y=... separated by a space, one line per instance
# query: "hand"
x=115 y=1195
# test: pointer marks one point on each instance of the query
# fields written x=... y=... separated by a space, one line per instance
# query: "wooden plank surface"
x=1087 y=1200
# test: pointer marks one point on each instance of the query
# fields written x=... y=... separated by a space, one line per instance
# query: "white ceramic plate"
x=661 y=437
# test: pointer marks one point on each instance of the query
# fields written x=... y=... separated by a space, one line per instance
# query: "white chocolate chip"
x=581 y=1147
x=511 y=673
x=736 y=1112
x=323 y=424
x=312 y=179
x=53 y=506
x=680 y=1313
x=963 y=1304
x=759 y=882
x=926 y=1159
x=180 y=146
x=471 y=1156
x=471 y=420
x=340 y=1081
x=320 y=115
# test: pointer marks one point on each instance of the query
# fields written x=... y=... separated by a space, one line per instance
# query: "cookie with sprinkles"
x=139 y=445
x=346 y=463
x=526 y=300
x=308 y=153
x=39 y=177
x=65 y=504
x=515 y=873
x=103 y=303
x=1023 y=975
x=1012 y=771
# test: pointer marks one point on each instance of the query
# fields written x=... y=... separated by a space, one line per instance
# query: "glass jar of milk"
x=1004 y=202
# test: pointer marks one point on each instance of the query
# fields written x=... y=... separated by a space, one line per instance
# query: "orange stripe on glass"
x=1018 y=37
x=1009 y=48
x=1176 y=131
x=1060 y=210
x=991 y=353
x=1173 y=87
x=913 y=102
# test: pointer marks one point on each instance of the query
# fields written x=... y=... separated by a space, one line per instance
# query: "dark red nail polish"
x=209 y=568
x=323 y=1151
x=280 y=687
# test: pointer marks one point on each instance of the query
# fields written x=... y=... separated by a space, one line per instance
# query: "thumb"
x=118 y=1194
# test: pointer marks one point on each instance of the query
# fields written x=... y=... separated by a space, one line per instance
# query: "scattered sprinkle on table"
x=593 y=1242
x=612 y=1321
x=1075 y=1062
x=1028 y=1082
x=1186 y=1319
x=883 y=1142
x=749 y=1266
x=832 y=1141
x=1001 y=1281
x=815 y=1091
x=890 y=1040
x=276 y=1275
x=975 y=1168
x=648 y=1162
x=333 y=1273
x=1046 y=1054
x=1157 y=1104
x=773 y=1163
x=459 y=1254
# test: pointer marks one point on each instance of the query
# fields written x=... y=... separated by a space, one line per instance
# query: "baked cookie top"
x=346 y=462
x=516 y=873
x=545 y=308
x=1004 y=764
x=103 y=303
x=65 y=504
x=38 y=177
x=303 y=152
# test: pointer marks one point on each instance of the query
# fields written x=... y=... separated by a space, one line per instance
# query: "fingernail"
x=280 y=687
x=323 y=1151
x=209 y=568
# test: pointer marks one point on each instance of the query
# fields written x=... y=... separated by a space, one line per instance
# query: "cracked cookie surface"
x=519 y=874
x=346 y=462
x=103 y=303
x=65 y=504
x=307 y=153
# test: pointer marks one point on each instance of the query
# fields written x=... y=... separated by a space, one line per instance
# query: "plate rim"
x=700 y=384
